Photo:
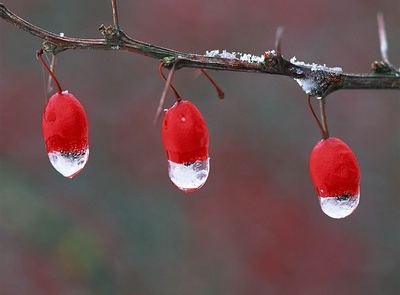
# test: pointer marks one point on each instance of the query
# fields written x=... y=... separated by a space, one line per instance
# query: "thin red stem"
x=220 y=92
x=321 y=128
x=39 y=56
x=323 y=117
x=160 y=70
x=165 y=91
x=50 y=79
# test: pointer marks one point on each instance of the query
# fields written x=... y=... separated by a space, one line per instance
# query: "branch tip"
x=115 y=15
x=278 y=39
x=382 y=37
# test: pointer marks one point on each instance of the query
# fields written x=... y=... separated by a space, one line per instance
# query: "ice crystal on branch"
x=236 y=56
x=316 y=67
x=314 y=80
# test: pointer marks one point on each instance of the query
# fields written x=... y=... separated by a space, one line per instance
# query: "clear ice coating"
x=69 y=164
x=189 y=177
x=339 y=207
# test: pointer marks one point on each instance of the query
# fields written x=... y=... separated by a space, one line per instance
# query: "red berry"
x=185 y=139
x=65 y=132
x=335 y=174
x=184 y=133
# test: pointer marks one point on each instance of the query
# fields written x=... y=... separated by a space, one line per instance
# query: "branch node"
x=270 y=59
x=111 y=34
x=168 y=61
x=383 y=68
x=54 y=49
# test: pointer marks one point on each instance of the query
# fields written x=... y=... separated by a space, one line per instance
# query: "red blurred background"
x=121 y=227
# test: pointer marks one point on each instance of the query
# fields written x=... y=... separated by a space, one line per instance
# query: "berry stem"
x=39 y=56
x=50 y=79
x=220 y=92
x=160 y=70
x=323 y=117
x=321 y=128
x=165 y=91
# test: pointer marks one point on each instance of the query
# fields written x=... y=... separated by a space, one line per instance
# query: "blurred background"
x=121 y=227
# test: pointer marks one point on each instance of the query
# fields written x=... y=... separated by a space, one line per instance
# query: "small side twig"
x=385 y=66
x=220 y=92
x=278 y=41
x=115 y=14
x=382 y=38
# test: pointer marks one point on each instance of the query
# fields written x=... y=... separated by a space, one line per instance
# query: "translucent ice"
x=307 y=84
x=69 y=164
x=189 y=177
x=339 y=207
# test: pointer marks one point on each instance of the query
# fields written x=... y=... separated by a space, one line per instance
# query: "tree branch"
x=315 y=80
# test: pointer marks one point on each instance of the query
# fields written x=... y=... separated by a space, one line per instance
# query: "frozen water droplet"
x=339 y=207
x=69 y=164
x=189 y=177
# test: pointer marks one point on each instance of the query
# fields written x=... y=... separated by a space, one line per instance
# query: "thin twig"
x=278 y=41
x=115 y=14
x=384 y=45
x=382 y=38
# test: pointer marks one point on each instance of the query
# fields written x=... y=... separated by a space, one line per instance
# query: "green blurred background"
x=121 y=227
